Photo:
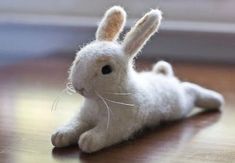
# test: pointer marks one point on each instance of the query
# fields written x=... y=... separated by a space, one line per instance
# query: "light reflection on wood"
x=27 y=91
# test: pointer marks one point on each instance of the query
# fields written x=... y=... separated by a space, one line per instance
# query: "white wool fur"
x=162 y=67
x=141 y=32
x=112 y=24
x=120 y=103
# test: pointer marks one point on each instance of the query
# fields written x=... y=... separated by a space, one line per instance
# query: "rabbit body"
x=118 y=100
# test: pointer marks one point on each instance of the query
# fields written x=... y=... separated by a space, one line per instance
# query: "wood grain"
x=27 y=91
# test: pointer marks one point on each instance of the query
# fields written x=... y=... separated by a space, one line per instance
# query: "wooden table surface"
x=27 y=91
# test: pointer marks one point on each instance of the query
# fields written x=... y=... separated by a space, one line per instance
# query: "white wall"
x=191 y=29
x=193 y=10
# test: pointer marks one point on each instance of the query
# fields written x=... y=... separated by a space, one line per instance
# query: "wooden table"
x=28 y=89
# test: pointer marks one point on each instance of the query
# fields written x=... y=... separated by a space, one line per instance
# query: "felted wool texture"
x=118 y=104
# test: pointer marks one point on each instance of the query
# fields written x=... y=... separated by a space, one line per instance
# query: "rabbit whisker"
x=118 y=93
x=57 y=99
x=107 y=107
x=70 y=89
x=120 y=103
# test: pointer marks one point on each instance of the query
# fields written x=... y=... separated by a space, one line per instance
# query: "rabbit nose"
x=80 y=90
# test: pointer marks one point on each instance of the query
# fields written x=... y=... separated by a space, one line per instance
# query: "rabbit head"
x=104 y=64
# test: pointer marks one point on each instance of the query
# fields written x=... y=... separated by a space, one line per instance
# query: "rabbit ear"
x=112 y=24
x=141 y=32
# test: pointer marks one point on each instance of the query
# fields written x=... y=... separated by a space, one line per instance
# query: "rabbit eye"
x=107 y=69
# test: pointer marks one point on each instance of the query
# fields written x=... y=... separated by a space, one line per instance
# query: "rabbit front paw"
x=64 y=136
x=90 y=142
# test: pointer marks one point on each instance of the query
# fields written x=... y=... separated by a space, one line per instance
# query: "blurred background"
x=202 y=30
x=39 y=39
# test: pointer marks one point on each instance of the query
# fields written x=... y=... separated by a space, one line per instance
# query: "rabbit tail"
x=163 y=68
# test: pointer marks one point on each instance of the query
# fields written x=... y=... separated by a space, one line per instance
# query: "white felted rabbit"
x=118 y=100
